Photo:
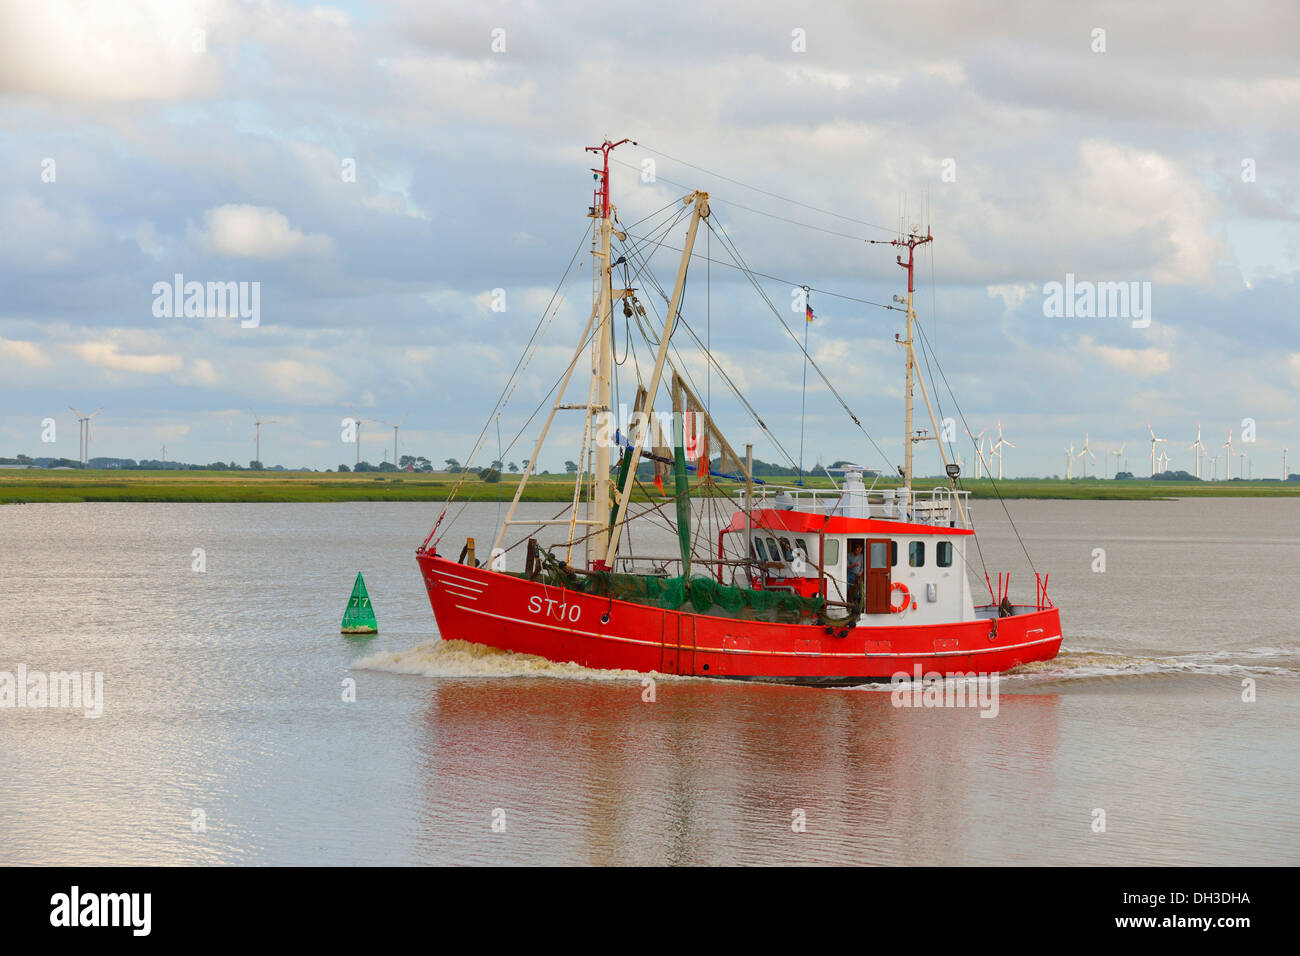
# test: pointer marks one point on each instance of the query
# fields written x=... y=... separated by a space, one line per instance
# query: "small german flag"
x=808 y=313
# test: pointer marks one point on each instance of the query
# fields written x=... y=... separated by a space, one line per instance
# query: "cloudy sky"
x=378 y=169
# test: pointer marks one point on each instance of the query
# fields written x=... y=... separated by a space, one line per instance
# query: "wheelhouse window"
x=774 y=550
x=786 y=550
x=831 y=552
x=943 y=554
x=916 y=554
x=760 y=552
x=802 y=546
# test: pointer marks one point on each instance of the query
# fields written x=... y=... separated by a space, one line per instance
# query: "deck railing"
x=939 y=506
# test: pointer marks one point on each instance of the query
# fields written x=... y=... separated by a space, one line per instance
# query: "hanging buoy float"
x=359 y=618
x=907 y=598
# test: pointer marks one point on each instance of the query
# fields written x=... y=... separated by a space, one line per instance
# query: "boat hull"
x=528 y=617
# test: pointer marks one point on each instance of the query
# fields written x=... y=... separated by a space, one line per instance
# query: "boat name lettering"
x=558 y=609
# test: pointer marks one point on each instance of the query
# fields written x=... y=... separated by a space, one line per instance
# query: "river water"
x=226 y=737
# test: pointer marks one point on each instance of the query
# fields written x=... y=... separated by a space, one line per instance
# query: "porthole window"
x=831 y=552
x=916 y=554
x=943 y=554
x=893 y=554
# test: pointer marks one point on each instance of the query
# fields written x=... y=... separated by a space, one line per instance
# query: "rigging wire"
x=776 y=312
x=547 y=397
x=764 y=275
x=760 y=212
x=803 y=395
x=714 y=507
x=656 y=238
x=681 y=368
x=992 y=482
x=765 y=192
x=519 y=367
x=512 y=381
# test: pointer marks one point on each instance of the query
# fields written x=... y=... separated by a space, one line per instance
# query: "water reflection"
x=222 y=692
x=713 y=773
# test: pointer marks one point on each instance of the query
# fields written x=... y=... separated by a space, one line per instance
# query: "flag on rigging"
x=808 y=313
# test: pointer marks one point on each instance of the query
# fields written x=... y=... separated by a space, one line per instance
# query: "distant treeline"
x=495 y=470
x=144 y=464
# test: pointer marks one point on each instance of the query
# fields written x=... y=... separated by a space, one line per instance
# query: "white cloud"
x=1144 y=198
x=29 y=353
x=203 y=372
x=301 y=382
x=142 y=50
x=105 y=354
x=257 y=232
x=1012 y=296
x=46 y=235
x=1144 y=362
x=1065 y=162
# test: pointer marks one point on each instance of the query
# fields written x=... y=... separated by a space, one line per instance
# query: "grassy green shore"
x=37 y=486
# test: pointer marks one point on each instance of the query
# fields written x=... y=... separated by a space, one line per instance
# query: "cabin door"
x=878 y=576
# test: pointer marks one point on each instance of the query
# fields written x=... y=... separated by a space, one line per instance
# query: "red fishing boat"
x=836 y=585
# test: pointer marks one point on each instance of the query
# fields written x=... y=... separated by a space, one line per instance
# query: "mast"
x=598 y=394
x=909 y=438
x=602 y=366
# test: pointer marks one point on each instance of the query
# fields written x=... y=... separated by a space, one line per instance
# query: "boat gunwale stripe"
x=760 y=653
x=448 y=574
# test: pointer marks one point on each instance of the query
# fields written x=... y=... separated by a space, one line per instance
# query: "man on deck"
x=855 y=564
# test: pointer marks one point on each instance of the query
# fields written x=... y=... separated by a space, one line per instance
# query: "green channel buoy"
x=359 y=618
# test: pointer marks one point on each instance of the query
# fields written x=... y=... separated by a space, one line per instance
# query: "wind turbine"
x=1284 y=464
x=1069 y=462
x=361 y=421
x=83 y=433
x=1163 y=460
x=1154 y=441
x=977 y=446
x=1086 y=451
x=1197 y=448
x=997 y=449
x=1117 y=455
x=1228 y=445
x=257 y=431
x=395 y=427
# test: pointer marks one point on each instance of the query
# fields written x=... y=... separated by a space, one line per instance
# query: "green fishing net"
x=699 y=594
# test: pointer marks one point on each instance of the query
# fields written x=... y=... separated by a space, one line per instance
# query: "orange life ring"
x=907 y=598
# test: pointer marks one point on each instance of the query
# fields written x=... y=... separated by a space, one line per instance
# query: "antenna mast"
x=910 y=242
x=602 y=367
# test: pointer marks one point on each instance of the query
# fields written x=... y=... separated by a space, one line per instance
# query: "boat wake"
x=1074 y=665
x=463 y=659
